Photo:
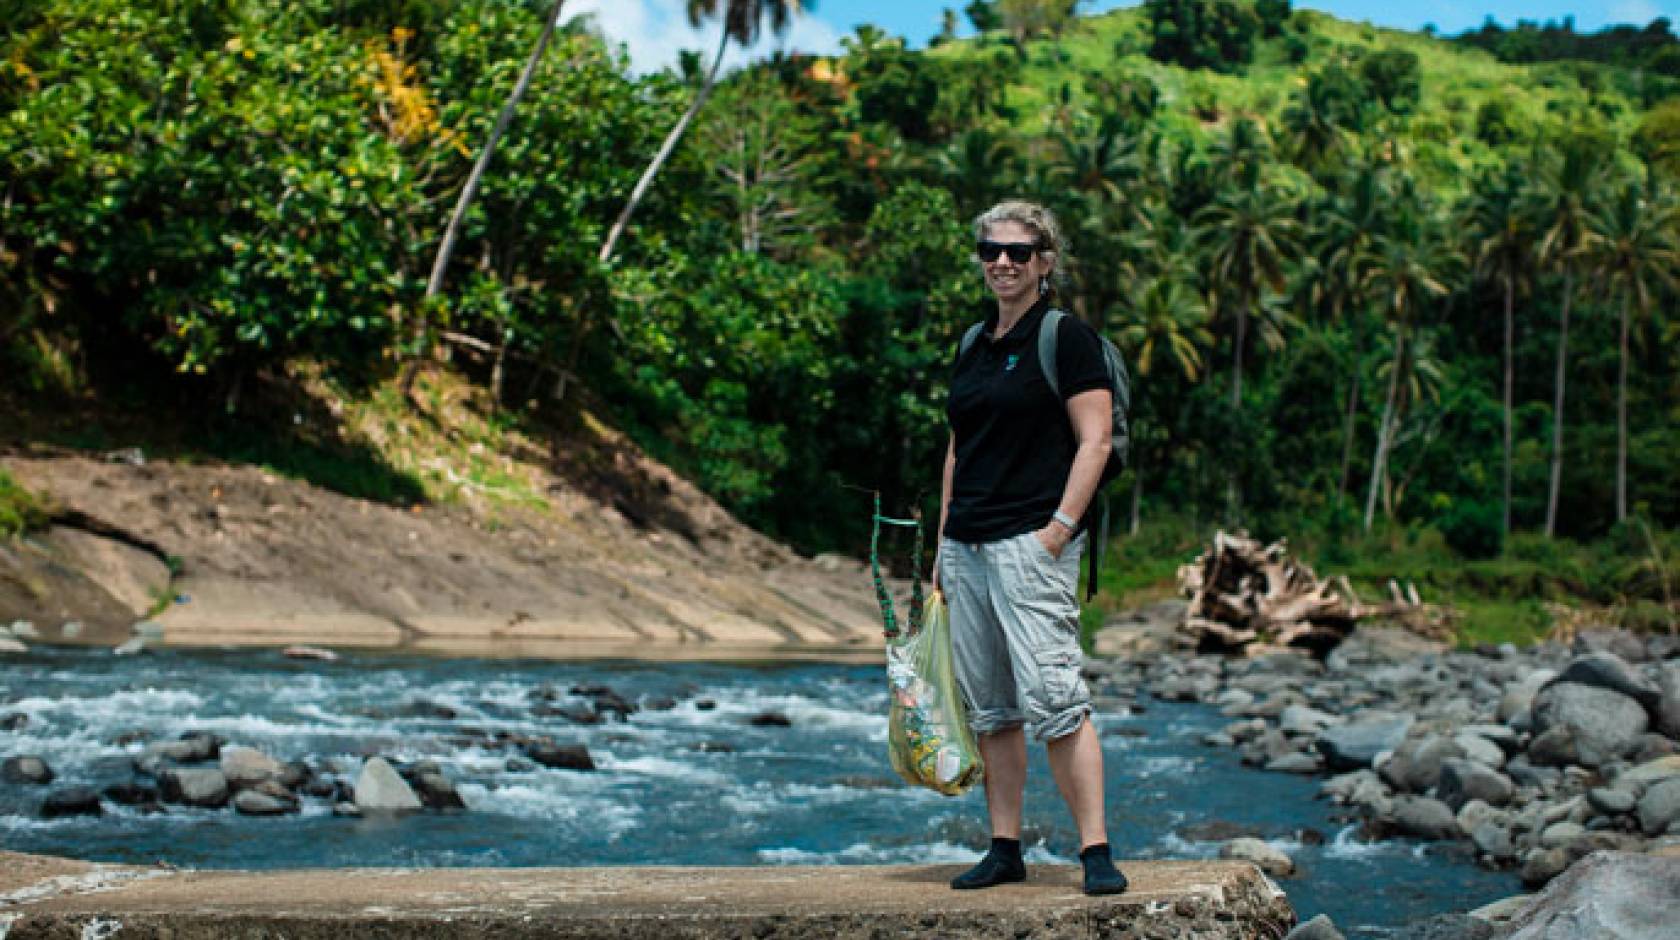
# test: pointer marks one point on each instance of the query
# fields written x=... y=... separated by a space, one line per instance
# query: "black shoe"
x=995 y=869
x=1101 y=877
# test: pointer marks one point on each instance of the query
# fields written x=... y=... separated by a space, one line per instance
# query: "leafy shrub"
x=20 y=510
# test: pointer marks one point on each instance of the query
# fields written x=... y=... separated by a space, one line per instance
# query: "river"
x=693 y=784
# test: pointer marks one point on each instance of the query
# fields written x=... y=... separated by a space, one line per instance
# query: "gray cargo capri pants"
x=1015 y=633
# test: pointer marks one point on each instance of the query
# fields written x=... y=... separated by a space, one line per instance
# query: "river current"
x=695 y=784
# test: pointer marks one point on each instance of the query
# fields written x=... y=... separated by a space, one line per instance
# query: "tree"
x=440 y=265
x=1395 y=78
x=1217 y=34
x=1630 y=249
x=984 y=15
x=1406 y=270
x=1568 y=183
x=1501 y=235
x=742 y=20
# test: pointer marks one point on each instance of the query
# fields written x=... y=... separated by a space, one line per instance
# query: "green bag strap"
x=889 y=617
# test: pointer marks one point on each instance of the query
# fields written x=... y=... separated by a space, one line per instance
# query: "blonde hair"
x=1043 y=224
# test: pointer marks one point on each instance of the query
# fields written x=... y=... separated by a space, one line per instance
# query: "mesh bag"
x=928 y=739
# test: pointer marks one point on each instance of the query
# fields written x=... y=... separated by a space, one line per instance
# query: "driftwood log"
x=1255 y=599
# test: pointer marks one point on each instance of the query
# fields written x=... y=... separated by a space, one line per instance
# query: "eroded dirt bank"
x=234 y=555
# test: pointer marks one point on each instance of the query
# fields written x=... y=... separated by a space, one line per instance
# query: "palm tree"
x=1342 y=246
x=741 y=22
x=1406 y=270
x=1162 y=316
x=1630 y=248
x=1566 y=190
x=440 y=265
x=1250 y=236
x=1501 y=234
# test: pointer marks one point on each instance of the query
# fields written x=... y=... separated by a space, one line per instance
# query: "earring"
x=1044 y=285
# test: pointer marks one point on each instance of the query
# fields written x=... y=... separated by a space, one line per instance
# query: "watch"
x=1066 y=520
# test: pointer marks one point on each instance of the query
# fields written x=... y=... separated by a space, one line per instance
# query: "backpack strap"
x=1048 y=329
x=969 y=339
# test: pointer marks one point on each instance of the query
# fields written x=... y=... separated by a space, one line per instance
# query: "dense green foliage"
x=1304 y=233
x=1653 y=47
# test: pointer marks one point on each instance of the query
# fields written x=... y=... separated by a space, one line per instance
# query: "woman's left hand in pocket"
x=1054 y=538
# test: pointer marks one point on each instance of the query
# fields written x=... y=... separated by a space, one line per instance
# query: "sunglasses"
x=1019 y=252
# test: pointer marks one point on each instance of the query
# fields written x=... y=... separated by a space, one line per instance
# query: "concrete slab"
x=1204 y=899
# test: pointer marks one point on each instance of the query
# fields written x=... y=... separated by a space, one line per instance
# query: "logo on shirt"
x=1009 y=363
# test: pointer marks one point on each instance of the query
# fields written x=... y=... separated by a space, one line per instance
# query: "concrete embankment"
x=54 y=898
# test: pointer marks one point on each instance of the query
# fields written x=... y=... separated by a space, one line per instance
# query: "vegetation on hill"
x=1369 y=281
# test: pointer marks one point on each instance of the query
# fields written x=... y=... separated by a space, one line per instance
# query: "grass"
x=20 y=510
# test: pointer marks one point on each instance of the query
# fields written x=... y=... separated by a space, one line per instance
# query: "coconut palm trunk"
x=1510 y=342
x=665 y=151
x=1621 y=419
x=1385 y=433
x=1557 y=405
x=440 y=265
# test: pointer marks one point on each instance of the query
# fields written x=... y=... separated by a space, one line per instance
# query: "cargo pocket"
x=1058 y=672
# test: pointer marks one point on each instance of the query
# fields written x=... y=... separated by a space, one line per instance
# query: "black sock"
x=1101 y=877
x=1001 y=865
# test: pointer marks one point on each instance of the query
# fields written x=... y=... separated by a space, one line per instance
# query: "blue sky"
x=655 y=30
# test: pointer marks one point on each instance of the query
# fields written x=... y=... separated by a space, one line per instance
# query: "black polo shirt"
x=1014 y=440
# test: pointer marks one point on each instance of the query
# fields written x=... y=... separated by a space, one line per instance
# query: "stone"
x=1303 y=719
x=437 y=792
x=1216 y=830
x=770 y=720
x=1423 y=818
x=195 y=786
x=1542 y=865
x=1645 y=774
x=25 y=630
x=1451 y=926
x=26 y=769
x=1561 y=834
x=1501 y=911
x=130 y=647
x=148 y=630
x=1480 y=749
x=1416 y=764
x=1520 y=697
x=246 y=766
x=560 y=756
x=1554 y=748
x=1464 y=780
x=1493 y=840
x=1659 y=808
x=1501 y=735
x=1622 y=643
x=1611 y=801
x=1271 y=861
x=132 y=794
x=295 y=774
x=1609 y=895
x=1605 y=723
x=380 y=789
x=72 y=801
x=255 y=803
x=1319 y=928
x=1356 y=745
x=1605 y=670
x=14 y=721
x=1297 y=763
x=12 y=645
x=1667 y=713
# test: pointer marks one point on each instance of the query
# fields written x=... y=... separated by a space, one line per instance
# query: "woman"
x=1020 y=471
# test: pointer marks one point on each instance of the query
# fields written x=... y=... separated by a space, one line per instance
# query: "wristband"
x=1066 y=520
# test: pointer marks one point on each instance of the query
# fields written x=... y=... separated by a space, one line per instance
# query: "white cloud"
x=655 y=31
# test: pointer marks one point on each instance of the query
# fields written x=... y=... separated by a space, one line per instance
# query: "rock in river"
x=1356 y=745
x=72 y=801
x=26 y=768
x=1271 y=861
x=1606 y=724
x=194 y=786
x=1613 y=895
x=380 y=789
x=560 y=756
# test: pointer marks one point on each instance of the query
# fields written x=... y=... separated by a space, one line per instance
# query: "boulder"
x=1542 y=865
x=1660 y=806
x=1622 y=643
x=1296 y=763
x=1302 y=719
x=1416 y=765
x=1464 y=780
x=194 y=786
x=380 y=789
x=1501 y=735
x=1642 y=776
x=12 y=646
x=1480 y=749
x=1494 y=841
x=72 y=801
x=246 y=767
x=1554 y=748
x=560 y=756
x=1453 y=926
x=1611 y=801
x=1520 y=697
x=1560 y=835
x=1606 y=670
x=1667 y=712
x=26 y=769
x=1319 y=928
x=1271 y=861
x=1606 y=896
x=1423 y=818
x=257 y=803
x=132 y=794
x=1606 y=723
x=1356 y=745
x=438 y=792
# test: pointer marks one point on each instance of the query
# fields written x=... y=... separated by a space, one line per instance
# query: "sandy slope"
x=264 y=560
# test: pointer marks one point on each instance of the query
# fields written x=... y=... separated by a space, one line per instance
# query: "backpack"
x=1120 y=386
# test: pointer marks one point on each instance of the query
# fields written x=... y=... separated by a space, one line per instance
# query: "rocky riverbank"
x=1531 y=759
